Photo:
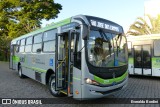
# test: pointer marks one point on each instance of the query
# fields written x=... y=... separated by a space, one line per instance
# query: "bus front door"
x=64 y=65
x=142 y=59
x=12 y=63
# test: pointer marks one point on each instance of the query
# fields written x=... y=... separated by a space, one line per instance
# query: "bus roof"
x=143 y=37
x=51 y=26
x=64 y=22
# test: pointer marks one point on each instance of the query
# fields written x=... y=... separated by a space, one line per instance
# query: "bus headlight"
x=92 y=82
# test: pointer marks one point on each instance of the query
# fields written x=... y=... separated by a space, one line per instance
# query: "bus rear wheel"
x=52 y=86
x=20 y=72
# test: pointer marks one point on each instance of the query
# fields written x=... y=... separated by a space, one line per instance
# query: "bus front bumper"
x=92 y=91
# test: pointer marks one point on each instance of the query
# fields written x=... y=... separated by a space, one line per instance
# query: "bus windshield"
x=107 y=49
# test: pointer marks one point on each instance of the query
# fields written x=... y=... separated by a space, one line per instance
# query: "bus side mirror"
x=85 y=32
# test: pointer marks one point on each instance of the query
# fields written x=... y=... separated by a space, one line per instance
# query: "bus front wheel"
x=52 y=86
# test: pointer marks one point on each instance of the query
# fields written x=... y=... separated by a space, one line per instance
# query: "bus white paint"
x=82 y=56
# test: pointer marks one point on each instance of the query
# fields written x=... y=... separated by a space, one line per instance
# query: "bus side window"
x=49 y=41
x=130 y=49
x=37 y=43
x=22 y=44
x=157 y=48
x=18 y=45
x=28 y=46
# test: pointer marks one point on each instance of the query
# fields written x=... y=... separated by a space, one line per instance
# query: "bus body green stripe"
x=156 y=62
x=130 y=60
x=61 y=23
x=110 y=81
x=15 y=58
x=38 y=69
x=34 y=68
x=76 y=78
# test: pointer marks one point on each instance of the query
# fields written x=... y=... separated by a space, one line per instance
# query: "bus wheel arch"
x=50 y=81
x=19 y=64
x=48 y=74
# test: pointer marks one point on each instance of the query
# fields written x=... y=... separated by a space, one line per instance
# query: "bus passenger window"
x=28 y=46
x=49 y=41
x=29 y=41
x=49 y=35
x=17 y=48
x=129 y=49
x=38 y=38
x=21 y=49
x=157 y=48
x=22 y=44
x=37 y=46
x=49 y=46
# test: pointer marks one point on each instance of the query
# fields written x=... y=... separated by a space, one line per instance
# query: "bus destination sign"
x=104 y=25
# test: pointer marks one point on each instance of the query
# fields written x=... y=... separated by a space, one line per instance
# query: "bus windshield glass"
x=107 y=49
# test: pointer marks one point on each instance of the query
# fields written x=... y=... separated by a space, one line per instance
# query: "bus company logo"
x=51 y=62
x=6 y=101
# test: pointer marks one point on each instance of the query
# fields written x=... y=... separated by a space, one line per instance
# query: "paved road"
x=11 y=86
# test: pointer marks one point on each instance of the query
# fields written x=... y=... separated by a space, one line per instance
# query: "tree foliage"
x=149 y=25
x=18 y=17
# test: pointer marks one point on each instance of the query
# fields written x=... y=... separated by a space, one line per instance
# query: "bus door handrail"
x=61 y=63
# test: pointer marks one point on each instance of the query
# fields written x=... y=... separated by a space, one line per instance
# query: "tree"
x=18 y=17
x=145 y=27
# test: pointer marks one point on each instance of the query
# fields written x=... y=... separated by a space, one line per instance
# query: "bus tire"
x=20 y=72
x=51 y=85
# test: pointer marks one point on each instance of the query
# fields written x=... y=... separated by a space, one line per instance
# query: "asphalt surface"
x=11 y=86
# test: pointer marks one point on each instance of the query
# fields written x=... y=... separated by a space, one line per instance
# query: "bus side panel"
x=156 y=66
x=35 y=66
x=26 y=64
x=49 y=65
x=130 y=65
x=77 y=89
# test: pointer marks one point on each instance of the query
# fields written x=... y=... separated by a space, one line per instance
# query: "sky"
x=123 y=12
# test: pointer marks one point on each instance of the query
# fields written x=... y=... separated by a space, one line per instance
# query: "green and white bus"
x=82 y=56
x=144 y=55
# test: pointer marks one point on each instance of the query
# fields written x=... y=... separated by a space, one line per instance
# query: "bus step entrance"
x=68 y=91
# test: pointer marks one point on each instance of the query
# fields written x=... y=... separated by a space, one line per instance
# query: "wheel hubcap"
x=53 y=86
